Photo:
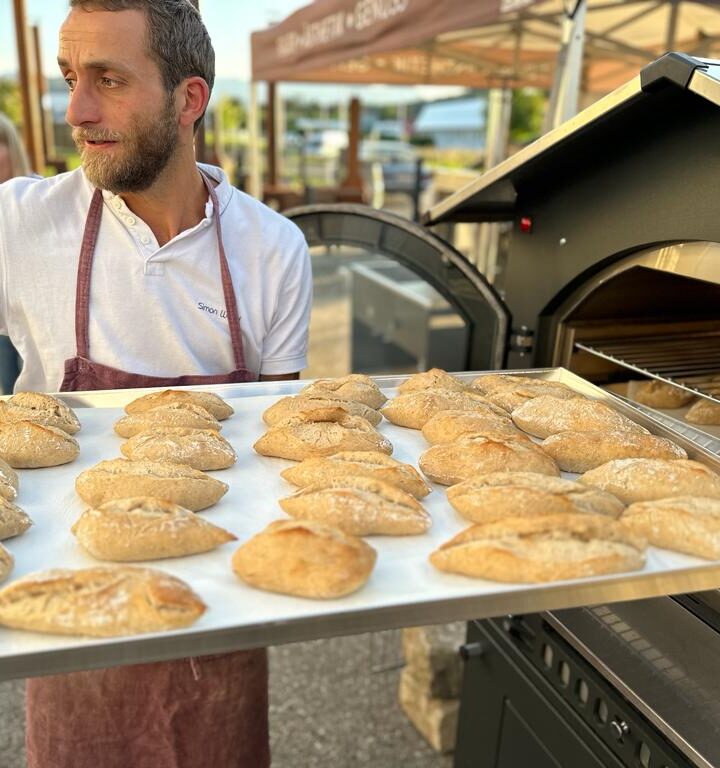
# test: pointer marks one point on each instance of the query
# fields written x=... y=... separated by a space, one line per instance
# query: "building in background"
x=453 y=123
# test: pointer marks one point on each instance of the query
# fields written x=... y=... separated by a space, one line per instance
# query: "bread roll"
x=304 y=558
x=499 y=495
x=494 y=382
x=634 y=480
x=415 y=409
x=320 y=433
x=105 y=601
x=6 y=563
x=435 y=378
x=544 y=416
x=27 y=445
x=145 y=528
x=581 y=451
x=535 y=549
x=511 y=398
x=13 y=520
x=176 y=483
x=451 y=463
x=359 y=506
x=689 y=524
x=41 y=409
x=446 y=426
x=355 y=386
x=704 y=411
x=658 y=394
x=207 y=400
x=360 y=464
x=9 y=482
x=198 y=448
x=294 y=404
x=170 y=415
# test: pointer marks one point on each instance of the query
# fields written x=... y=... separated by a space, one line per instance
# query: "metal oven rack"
x=690 y=361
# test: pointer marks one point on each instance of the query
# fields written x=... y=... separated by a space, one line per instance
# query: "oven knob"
x=619 y=729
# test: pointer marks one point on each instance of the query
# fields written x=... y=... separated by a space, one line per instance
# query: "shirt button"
x=144 y=239
x=117 y=204
x=130 y=220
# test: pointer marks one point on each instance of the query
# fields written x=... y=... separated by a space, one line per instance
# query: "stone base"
x=432 y=655
x=436 y=719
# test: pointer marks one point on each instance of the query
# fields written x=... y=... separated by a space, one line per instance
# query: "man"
x=140 y=269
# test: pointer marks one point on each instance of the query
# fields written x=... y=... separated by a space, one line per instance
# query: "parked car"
x=400 y=164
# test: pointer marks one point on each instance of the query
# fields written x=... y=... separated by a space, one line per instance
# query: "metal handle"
x=619 y=729
x=468 y=650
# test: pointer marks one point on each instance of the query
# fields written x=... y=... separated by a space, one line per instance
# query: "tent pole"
x=566 y=83
x=270 y=125
x=32 y=124
x=352 y=183
x=253 y=158
x=279 y=134
x=672 y=25
x=497 y=132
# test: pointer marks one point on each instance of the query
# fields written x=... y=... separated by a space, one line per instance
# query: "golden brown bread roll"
x=658 y=394
x=704 y=411
x=634 y=480
x=27 y=445
x=582 y=451
x=170 y=415
x=6 y=563
x=689 y=524
x=356 y=386
x=360 y=464
x=320 y=433
x=544 y=416
x=415 y=409
x=198 y=448
x=207 y=400
x=359 y=506
x=306 y=559
x=549 y=548
x=122 y=478
x=451 y=463
x=446 y=426
x=105 y=601
x=435 y=378
x=41 y=409
x=494 y=382
x=145 y=528
x=511 y=398
x=499 y=495
x=13 y=520
x=9 y=482
x=291 y=405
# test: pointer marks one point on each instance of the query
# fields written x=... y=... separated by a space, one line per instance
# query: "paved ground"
x=333 y=704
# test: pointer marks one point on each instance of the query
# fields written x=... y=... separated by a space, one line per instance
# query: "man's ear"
x=193 y=95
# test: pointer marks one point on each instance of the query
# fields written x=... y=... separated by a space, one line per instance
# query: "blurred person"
x=13 y=158
x=13 y=162
x=143 y=268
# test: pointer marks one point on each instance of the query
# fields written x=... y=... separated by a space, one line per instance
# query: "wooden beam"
x=32 y=124
x=353 y=179
x=48 y=132
x=270 y=125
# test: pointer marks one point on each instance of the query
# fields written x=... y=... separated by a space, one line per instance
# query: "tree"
x=528 y=108
x=10 y=101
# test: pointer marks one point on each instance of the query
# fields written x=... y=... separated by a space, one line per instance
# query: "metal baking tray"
x=404 y=590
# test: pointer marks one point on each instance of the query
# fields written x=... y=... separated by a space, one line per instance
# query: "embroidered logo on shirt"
x=211 y=310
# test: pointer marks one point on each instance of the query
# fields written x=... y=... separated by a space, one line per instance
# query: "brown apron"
x=206 y=711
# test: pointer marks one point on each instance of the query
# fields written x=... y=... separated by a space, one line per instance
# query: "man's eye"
x=70 y=82
x=108 y=82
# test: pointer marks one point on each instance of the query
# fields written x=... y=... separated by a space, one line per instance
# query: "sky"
x=229 y=23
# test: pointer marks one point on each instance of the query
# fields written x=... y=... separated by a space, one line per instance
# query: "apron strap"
x=228 y=290
x=82 y=292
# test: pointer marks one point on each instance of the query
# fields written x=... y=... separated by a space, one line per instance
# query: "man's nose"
x=83 y=106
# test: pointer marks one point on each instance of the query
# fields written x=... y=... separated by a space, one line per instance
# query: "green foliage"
x=232 y=113
x=10 y=100
x=528 y=109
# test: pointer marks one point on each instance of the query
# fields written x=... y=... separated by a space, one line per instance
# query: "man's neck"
x=173 y=204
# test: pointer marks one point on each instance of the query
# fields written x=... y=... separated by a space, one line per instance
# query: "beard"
x=145 y=149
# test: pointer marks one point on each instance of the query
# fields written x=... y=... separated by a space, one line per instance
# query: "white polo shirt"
x=154 y=310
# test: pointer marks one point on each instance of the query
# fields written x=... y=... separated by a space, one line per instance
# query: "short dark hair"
x=177 y=38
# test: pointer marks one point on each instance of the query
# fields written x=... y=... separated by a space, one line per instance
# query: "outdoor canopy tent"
x=477 y=43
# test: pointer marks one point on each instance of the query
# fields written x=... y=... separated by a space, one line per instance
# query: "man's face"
x=124 y=122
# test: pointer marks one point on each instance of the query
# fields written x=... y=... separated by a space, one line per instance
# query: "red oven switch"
x=526 y=224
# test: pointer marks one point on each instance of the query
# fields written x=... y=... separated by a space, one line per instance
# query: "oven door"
x=391 y=297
